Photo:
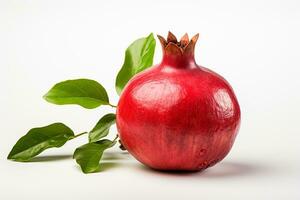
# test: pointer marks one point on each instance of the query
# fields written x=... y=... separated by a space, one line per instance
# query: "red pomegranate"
x=178 y=115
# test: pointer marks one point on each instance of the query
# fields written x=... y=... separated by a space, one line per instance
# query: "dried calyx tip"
x=162 y=40
x=184 y=46
x=184 y=40
x=195 y=38
x=171 y=38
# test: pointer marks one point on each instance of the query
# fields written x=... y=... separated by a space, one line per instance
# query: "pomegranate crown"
x=182 y=47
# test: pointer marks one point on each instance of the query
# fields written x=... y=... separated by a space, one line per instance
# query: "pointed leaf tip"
x=138 y=57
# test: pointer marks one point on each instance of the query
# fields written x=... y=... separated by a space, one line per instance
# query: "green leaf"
x=84 y=92
x=138 y=57
x=39 y=139
x=88 y=156
x=102 y=127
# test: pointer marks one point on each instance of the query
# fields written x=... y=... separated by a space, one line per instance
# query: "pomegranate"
x=178 y=115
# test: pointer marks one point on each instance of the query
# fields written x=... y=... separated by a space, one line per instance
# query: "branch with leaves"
x=88 y=94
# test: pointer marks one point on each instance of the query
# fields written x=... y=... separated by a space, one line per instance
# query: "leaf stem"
x=112 y=105
x=117 y=136
x=80 y=134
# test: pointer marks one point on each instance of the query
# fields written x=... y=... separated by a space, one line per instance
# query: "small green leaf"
x=39 y=139
x=88 y=156
x=84 y=92
x=138 y=57
x=102 y=127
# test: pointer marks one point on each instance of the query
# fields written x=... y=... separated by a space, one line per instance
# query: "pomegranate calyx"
x=182 y=47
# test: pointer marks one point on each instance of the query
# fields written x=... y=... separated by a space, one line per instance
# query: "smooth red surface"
x=178 y=116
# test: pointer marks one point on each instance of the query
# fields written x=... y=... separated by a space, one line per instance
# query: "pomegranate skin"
x=178 y=115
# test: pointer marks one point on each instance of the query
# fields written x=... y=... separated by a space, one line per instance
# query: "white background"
x=253 y=44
